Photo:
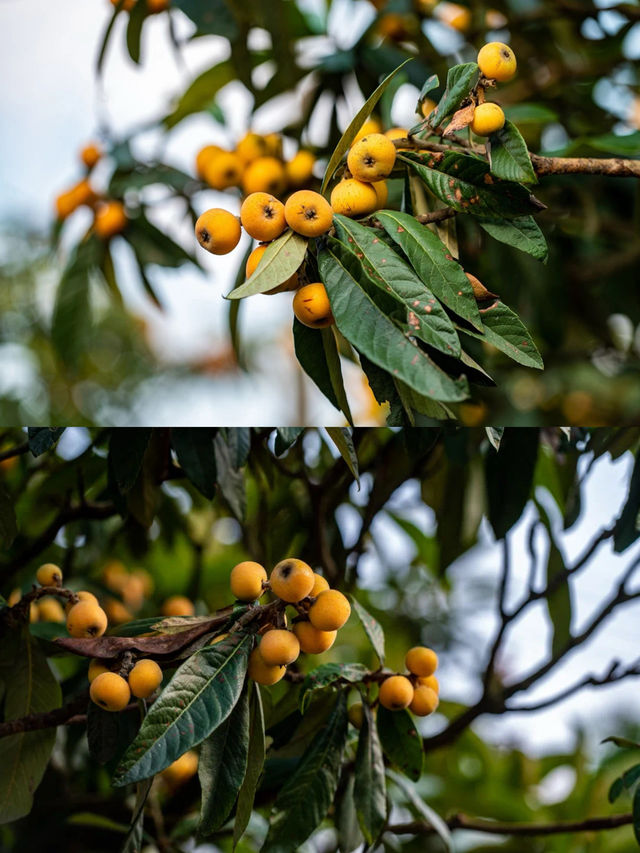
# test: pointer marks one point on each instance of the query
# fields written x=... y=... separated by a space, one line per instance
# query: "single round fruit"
x=372 y=158
x=266 y=174
x=50 y=610
x=430 y=681
x=425 y=701
x=427 y=107
x=218 y=231
x=291 y=580
x=352 y=197
x=421 y=661
x=312 y=641
x=82 y=595
x=110 y=691
x=356 y=714
x=178 y=605
x=86 y=619
x=299 y=170
x=261 y=672
x=114 y=575
x=397 y=133
x=49 y=575
x=204 y=157
x=262 y=216
x=110 y=219
x=133 y=592
x=273 y=143
x=487 y=119
x=147 y=581
x=396 y=692
x=330 y=610
x=90 y=154
x=382 y=193
x=96 y=668
x=319 y=585
x=279 y=647
x=182 y=769
x=308 y=213
x=83 y=193
x=246 y=580
x=254 y=259
x=223 y=170
x=312 y=307
x=116 y=612
x=454 y=15
x=371 y=125
x=34 y=612
x=66 y=204
x=14 y=597
x=251 y=147
x=497 y=61
x=145 y=678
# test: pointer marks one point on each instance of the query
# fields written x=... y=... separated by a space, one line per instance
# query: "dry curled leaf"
x=461 y=119
x=479 y=290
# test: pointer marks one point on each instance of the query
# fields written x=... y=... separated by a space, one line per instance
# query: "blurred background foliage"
x=424 y=500
x=305 y=67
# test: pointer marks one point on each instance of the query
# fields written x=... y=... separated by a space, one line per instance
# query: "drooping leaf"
x=460 y=81
x=127 y=447
x=42 y=439
x=425 y=316
x=509 y=477
x=372 y=628
x=506 y=331
x=617 y=787
x=255 y=763
x=326 y=674
x=400 y=741
x=636 y=814
x=135 y=835
x=211 y=18
x=494 y=434
x=195 y=453
x=559 y=599
x=222 y=767
x=280 y=261
x=356 y=123
x=200 y=94
x=286 y=437
x=199 y=697
x=382 y=341
x=109 y=734
x=349 y=833
x=332 y=356
x=343 y=440
x=423 y=809
x=431 y=260
x=521 y=232
x=230 y=477
x=137 y=17
x=153 y=246
x=8 y=520
x=509 y=155
x=315 y=350
x=627 y=528
x=370 y=789
x=304 y=800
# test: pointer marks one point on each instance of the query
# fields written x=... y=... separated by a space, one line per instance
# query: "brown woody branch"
x=47 y=719
x=12 y=452
x=461 y=821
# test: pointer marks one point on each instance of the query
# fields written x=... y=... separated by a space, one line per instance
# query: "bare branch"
x=460 y=821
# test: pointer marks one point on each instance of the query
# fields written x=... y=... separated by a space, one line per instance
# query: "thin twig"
x=460 y=821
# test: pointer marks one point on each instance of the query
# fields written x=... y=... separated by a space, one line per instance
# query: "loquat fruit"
x=66 y=204
x=83 y=595
x=86 y=619
x=116 y=612
x=308 y=213
x=382 y=193
x=223 y=170
x=487 y=119
x=397 y=133
x=456 y=16
x=127 y=5
x=330 y=610
x=34 y=612
x=145 y=678
x=396 y=692
x=429 y=681
x=114 y=575
x=266 y=174
x=312 y=307
x=356 y=714
x=14 y=597
x=147 y=581
x=352 y=197
x=279 y=647
x=312 y=641
x=246 y=580
x=182 y=769
x=421 y=661
x=154 y=7
x=497 y=61
x=372 y=158
x=178 y=605
x=204 y=156
x=427 y=107
x=319 y=585
x=261 y=672
x=50 y=610
x=250 y=147
x=371 y=125
x=84 y=193
x=49 y=575
x=218 y=231
x=110 y=691
x=273 y=143
x=96 y=668
x=133 y=592
x=110 y=219
x=299 y=170
x=425 y=701
x=291 y=580
x=262 y=217
x=254 y=259
x=90 y=154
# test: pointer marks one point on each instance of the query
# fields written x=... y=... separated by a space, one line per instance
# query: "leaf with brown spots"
x=280 y=261
x=506 y=331
x=460 y=119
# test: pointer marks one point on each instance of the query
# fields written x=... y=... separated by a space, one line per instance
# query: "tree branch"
x=460 y=821
x=47 y=719
x=11 y=452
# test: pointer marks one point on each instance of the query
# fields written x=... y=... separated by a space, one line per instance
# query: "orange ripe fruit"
x=312 y=307
x=218 y=231
x=308 y=213
x=110 y=219
x=262 y=216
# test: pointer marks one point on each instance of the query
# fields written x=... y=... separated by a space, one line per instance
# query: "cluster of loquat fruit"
x=153 y=7
x=403 y=26
x=109 y=215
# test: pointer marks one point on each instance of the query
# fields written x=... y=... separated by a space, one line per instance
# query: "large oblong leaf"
x=326 y=674
x=199 y=697
x=280 y=261
x=506 y=331
x=370 y=789
x=377 y=336
x=305 y=798
x=460 y=80
x=521 y=232
x=372 y=628
x=255 y=763
x=425 y=315
x=400 y=741
x=433 y=263
x=509 y=155
x=201 y=92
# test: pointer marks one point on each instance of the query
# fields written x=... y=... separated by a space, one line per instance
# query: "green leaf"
x=424 y=314
x=356 y=123
x=255 y=763
x=370 y=789
x=195 y=453
x=509 y=477
x=332 y=356
x=559 y=603
x=42 y=439
x=400 y=741
x=142 y=175
x=104 y=43
x=622 y=145
x=494 y=434
x=211 y=18
x=305 y=798
x=432 y=82
x=222 y=766
x=153 y=246
x=509 y=155
x=425 y=811
x=506 y=331
x=200 y=94
x=109 y=734
x=230 y=477
x=199 y=697
x=372 y=628
x=27 y=686
x=134 y=29
x=430 y=258
x=617 y=787
x=127 y=447
x=343 y=440
x=627 y=528
x=8 y=521
x=349 y=834
x=631 y=776
x=135 y=835
x=71 y=322
x=636 y=814
x=329 y=673
x=369 y=330
x=311 y=353
x=460 y=81
x=281 y=260
x=286 y=437
x=521 y=232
